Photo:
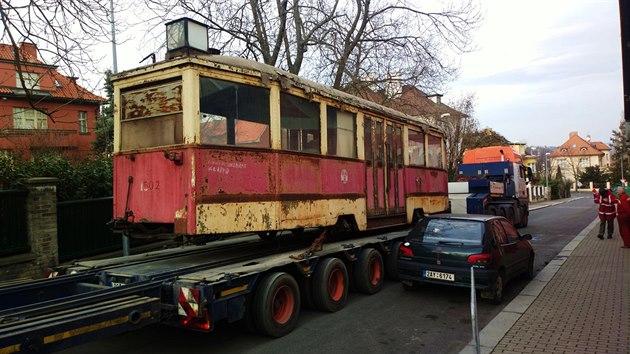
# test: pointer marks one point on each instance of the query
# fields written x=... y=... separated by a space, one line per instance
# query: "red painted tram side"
x=214 y=144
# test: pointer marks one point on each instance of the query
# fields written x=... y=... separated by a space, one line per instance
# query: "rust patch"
x=239 y=198
x=181 y=221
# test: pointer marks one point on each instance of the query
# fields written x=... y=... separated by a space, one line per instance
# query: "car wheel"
x=529 y=273
x=497 y=292
x=410 y=285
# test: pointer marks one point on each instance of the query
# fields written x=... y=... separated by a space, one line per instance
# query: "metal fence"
x=13 y=227
x=82 y=229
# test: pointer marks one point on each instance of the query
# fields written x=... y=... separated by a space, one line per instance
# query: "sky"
x=541 y=69
x=544 y=68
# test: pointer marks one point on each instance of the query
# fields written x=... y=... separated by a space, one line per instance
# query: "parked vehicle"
x=492 y=180
x=442 y=248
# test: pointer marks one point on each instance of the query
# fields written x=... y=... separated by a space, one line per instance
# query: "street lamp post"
x=546 y=171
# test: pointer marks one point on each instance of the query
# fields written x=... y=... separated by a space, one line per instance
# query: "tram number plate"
x=438 y=275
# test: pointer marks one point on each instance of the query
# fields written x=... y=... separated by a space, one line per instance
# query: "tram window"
x=399 y=147
x=416 y=148
x=299 y=120
x=435 y=151
x=341 y=133
x=233 y=113
x=367 y=140
x=378 y=140
x=152 y=116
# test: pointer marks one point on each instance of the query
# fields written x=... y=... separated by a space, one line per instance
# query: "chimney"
x=436 y=98
x=28 y=50
x=571 y=134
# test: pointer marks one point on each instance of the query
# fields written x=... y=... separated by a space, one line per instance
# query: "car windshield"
x=449 y=231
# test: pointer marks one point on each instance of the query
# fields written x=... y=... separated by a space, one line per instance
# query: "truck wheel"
x=391 y=262
x=330 y=285
x=368 y=272
x=267 y=235
x=525 y=218
x=276 y=304
x=491 y=210
x=509 y=214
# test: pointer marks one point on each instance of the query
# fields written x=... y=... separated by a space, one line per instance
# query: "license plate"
x=439 y=275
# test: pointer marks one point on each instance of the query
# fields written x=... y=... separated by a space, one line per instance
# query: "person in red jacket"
x=623 y=216
x=607 y=211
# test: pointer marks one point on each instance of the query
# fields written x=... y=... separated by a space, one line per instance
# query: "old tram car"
x=212 y=144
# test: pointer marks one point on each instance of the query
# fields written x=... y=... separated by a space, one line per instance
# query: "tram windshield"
x=151 y=116
x=233 y=113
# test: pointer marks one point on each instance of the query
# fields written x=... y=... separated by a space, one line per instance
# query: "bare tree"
x=458 y=127
x=342 y=43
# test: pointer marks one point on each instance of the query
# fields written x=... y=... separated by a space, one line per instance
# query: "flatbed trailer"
x=263 y=283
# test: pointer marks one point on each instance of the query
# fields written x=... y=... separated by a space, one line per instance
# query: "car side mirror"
x=525 y=237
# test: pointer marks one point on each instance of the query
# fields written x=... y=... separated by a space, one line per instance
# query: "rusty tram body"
x=210 y=144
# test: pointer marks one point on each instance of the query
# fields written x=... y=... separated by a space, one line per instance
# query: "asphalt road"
x=435 y=319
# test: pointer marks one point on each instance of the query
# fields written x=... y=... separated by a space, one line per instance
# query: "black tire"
x=391 y=262
x=491 y=210
x=276 y=304
x=497 y=289
x=330 y=285
x=410 y=285
x=509 y=214
x=267 y=235
x=525 y=218
x=369 y=272
x=529 y=273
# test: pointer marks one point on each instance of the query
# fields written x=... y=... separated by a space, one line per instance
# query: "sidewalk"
x=577 y=304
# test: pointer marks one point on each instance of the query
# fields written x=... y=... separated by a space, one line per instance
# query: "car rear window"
x=449 y=231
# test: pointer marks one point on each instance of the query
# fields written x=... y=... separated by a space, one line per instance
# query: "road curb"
x=496 y=329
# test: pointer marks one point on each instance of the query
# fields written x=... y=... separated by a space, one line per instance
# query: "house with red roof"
x=577 y=153
x=43 y=110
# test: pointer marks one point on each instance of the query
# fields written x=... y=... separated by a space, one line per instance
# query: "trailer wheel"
x=277 y=304
x=267 y=235
x=368 y=272
x=391 y=262
x=330 y=285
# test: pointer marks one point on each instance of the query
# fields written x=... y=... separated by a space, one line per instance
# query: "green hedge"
x=85 y=179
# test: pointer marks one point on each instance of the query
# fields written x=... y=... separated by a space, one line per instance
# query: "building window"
x=83 y=122
x=299 y=121
x=562 y=163
x=583 y=161
x=31 y=81
x=342 y=139
x=28 y=118
x=416 y=148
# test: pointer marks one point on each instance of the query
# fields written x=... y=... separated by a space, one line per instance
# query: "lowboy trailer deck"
x=264 y=283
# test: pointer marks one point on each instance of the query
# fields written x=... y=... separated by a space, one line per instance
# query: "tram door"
x=394 y=182
x=383 y=156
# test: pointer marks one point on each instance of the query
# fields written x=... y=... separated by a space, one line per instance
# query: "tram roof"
x=285 y=78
